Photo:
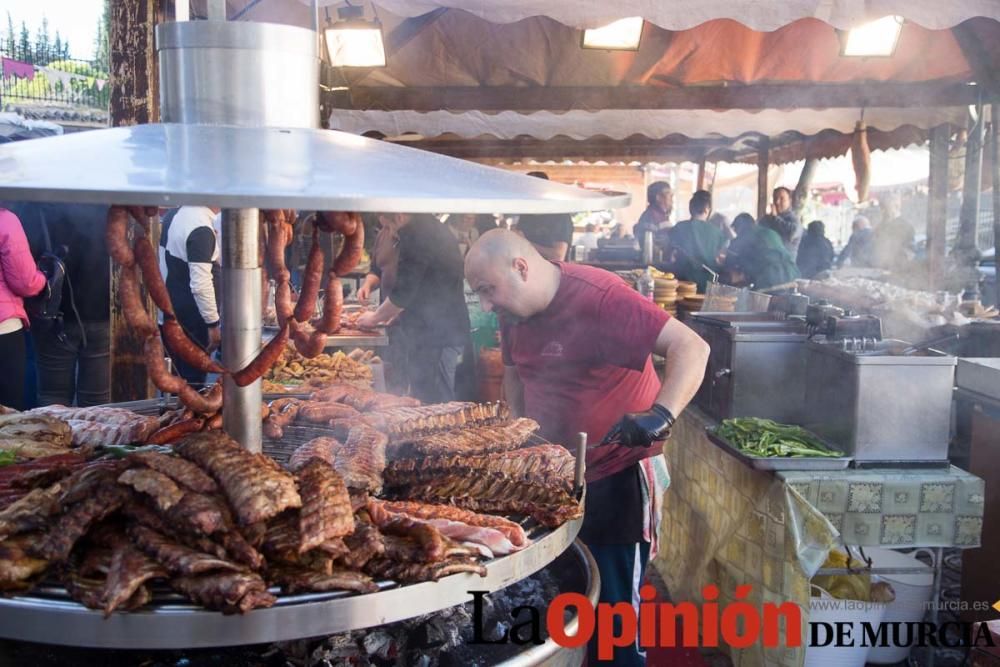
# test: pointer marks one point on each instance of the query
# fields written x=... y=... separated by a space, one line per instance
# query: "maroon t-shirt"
x=585 y=361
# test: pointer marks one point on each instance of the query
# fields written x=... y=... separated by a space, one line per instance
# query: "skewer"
x=581 y=462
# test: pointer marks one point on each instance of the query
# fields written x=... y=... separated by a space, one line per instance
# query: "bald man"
x=577 y=345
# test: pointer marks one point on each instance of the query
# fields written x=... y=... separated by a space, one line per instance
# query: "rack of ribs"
x=361 y=460
x=415 y=572
x=544 y=465
x=181 y=471
x=228 y=592
x=299 y=579
x=323 y=448
x=477 y=440
x=256 y=488
x=405 y=424
x=326 y=505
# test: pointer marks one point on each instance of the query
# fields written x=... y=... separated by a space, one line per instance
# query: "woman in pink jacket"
x=19 y=278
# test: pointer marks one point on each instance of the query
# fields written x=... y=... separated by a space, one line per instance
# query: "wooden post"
x=937 y=203
x=763 y=162
x=701 y=174
x=969 y=216
x=134 y=100
x=801 y=194
x=995 y=168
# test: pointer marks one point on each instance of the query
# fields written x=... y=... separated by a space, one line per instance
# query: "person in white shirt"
x=189 y=261
x=589 y=237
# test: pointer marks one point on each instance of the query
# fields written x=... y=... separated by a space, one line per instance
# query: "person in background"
x=788 y=225
x=550 y=233
x=577 y=344
x=859 y=247
x=589 y=237
x=767 y=261
x=189 y=260
x=19 y=278
x=73 y=353
x=428 y=298
x=722 y=222
x=816 y=252
x=893 y=238
x=485 y=222
x=696 y=243
x=739 y=248
x=382 y=275
x=463 y=226
x=656 y=217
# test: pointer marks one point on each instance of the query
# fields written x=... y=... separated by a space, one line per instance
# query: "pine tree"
x=102 y=46
x=11 y=37
x=42 y=44
x=24 y=44
x=57 y=47
x=65 y=51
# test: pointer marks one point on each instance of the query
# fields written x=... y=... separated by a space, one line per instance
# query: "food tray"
x=781 y=462
x=378 y=338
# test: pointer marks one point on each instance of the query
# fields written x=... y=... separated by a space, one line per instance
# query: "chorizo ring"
x=352 y=248
x=132 y=303
x=333 y=305
x=149 y=264
x=264 y=360
x=311 y=280
x=116 y=236
x=203 y=404
x=157 y=368
x=194 y=355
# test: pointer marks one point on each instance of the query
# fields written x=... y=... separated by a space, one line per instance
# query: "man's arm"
x=686 y=354
x=513 y=390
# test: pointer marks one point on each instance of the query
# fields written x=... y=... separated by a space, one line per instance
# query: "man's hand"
x=214 y=338
x=367 y=321
x=363 y=293
x=641 y=429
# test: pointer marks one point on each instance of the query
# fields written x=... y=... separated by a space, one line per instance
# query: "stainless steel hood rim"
x=174 y=164
x=235 y=35
x=175 y=626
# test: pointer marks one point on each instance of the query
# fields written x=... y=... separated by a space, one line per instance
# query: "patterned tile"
x=899 y=499
x=899 y=529
x=804 y=489
x=865 y=497
x=831 y=497
x=861 y=528
x=935 y=529
x=968 y=530
x=937 y=497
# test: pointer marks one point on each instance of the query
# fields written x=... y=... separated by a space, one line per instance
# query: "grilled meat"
x=181 y=471
x=76 y=520
x=164 y=492
x=321 y=413
x=326 y=506
x=33 y=436
x=512 y=531
x=86 y=480
x=426 y=536
x=178 y=559
x=403 y=424
x=282 y=540
x=545 y=465
x=199 y=514
x=130 y=569
x=488 y=542
x=101 y=425
x=30 y=512
x=361 y=460
x=416 y=572
x=17 y=565
x=40 y=472
x=256 y=488
x=322 y=448
x=475 y=441
x=364 y=544
x=228 y=592
x=298 y=580
x=88 y=591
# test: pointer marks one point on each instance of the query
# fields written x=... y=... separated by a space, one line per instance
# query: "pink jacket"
x=19 y=276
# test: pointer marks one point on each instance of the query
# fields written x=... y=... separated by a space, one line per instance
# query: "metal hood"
x=258 y=167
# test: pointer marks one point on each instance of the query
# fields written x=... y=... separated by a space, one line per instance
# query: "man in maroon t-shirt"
x=577 y=345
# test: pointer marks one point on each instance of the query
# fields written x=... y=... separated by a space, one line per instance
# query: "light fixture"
x=877 y=38
x=354 y=42
x=622 y=35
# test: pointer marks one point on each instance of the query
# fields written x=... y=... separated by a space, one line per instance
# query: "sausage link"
x=332 y=305
x=321 y=413
x=116 y=236
x=149 y=264
x=311 y=279
x=350 y=252
x=264 y=360
x=214 y=422
x=187 y=350
x=202 y=404
x=132 y=303
x=157 y=367
x=173 y=432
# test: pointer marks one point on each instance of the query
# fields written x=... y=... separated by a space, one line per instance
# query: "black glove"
x=641 y=429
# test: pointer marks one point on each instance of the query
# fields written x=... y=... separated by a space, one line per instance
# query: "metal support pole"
x=937 y=204
x=971 y=192
x=763 y=163
x=995 y=168
x=241 y=322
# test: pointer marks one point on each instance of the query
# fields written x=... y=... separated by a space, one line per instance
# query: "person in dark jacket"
x=695 y=244
x=740 y=247
x=429 y=300
x=859 y=247
x=816 y=252
x=767 y=262
x=73 y=357
x=786 y=220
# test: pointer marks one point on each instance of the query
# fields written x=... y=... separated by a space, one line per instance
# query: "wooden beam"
x=762 y=164
x=701 y=174
x=638 y=149
x=937 y=204
x=755 y=96
x=134 y=100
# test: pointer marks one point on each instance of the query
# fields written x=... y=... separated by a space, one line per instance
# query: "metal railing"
x=45 y=76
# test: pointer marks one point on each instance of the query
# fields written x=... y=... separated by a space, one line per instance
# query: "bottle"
x=646 y=284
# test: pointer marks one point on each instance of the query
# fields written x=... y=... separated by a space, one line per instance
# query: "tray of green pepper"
x=768 y=445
